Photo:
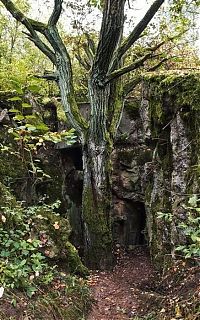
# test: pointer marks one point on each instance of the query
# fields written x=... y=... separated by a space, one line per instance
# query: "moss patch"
x=98 y=232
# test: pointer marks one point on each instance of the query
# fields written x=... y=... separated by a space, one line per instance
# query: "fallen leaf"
x=56 y=225
x=3 y=219
x=1 y=291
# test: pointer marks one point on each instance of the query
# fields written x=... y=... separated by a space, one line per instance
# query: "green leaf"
x=19 y=90
x=19 y=117
x=30 y=127
x=5 y=254
x=193 y=200
x=31 y=291
x=34 y=88
x=26 y=105
x=15 y=99
x=195 y=238
x=14 y=110
x=46 y=100
x=14 y=302
x=23 y=262
x=42 y=127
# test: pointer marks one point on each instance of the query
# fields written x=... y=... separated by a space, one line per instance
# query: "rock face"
x=155 y=166
x=155 y=163
x=171 y=118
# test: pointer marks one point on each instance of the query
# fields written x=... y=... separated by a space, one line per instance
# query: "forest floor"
x=117 y=294
x=134 y=290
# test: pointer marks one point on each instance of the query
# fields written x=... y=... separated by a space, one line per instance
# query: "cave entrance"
x=135 y=224
x=75 y=154
x=129 y=227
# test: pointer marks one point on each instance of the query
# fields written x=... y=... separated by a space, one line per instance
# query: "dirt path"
x=117 y=294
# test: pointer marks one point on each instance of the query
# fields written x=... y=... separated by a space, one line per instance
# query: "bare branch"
x=83 y=62
x=48 y=75
x=56 y=13
x=135 y=65
x=89 y=54
x=156 y=66
x=43 y=47
x=91 y=43
x=139 y=28
x=128 y=87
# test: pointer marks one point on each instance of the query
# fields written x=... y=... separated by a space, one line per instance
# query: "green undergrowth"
x=67 y=298
x=41 y=271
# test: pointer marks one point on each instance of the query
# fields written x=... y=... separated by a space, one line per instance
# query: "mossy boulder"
x=45 y=225
x=74 y=262
x=54 y=231
x=6 y=198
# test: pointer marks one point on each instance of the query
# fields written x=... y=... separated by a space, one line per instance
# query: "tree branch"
x=42 y=46
x=156 y=66
x=111 y=30
x=48 y=75
x=64 y=68
x=37 y=25
x=89 y=54
x=135 y=65
x=139 y=28
x=32 y=27
x=82 y=62
x=128 y=87
x=56 y=13
x=90 y=42
x=60 y=57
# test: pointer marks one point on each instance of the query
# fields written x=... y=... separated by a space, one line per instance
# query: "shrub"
x=191 y=229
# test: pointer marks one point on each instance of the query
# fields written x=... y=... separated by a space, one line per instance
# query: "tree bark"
x=96 y=200
x=96 y=205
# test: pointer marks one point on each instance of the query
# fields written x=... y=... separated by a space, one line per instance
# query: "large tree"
x=106 y=96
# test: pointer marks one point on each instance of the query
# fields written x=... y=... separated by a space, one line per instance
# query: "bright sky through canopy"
x=135 y=11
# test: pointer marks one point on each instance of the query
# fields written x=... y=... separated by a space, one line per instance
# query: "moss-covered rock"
x=6 y=198
x=44 y=224
x=74 y=262
x=172 y=105
x=54 y=231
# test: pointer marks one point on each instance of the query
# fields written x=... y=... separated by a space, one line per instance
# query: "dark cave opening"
x=129 y=216
x=129 y=230
x=75 y=154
